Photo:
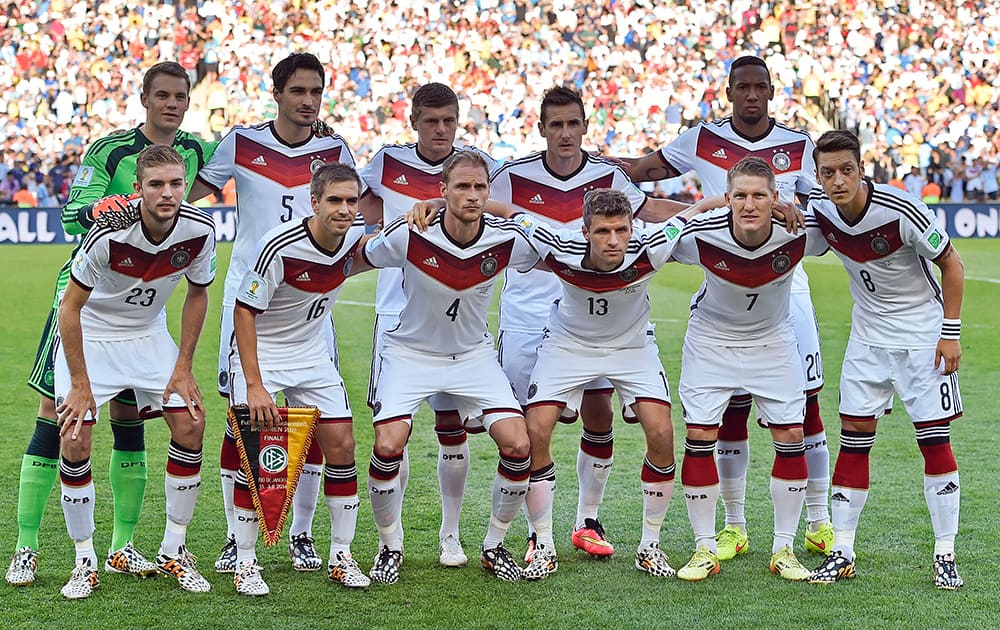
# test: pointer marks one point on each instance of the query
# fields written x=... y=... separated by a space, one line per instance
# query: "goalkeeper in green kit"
x=103 y=181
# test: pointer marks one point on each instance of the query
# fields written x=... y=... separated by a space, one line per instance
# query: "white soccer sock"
x=228 y=477
x=304 y=501
x=846 y=506
x=508 y=495
x=181 y=495
x=786 y=495
x=386 y=511
x=818 y=486
x=733 y=460
x=538 y=504
x=84 y=549
x=943 y=495
x=343 y=522
x=655 y=502
x=593 y=473
x=701 y=501
x=246 y=529
x=453 y=470
x=78 y=501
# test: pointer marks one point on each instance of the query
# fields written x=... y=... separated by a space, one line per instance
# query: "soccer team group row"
x=571 y=333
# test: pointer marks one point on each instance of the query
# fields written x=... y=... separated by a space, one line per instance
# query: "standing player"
x=905 y=330
x=113 y=335
x=281 y=311
x=398 y=176
x=600 y=329
x=272 y=163
x=441 y=344
x=740 y=335
x=711 y=149
x=108 y=168
x=550 y=185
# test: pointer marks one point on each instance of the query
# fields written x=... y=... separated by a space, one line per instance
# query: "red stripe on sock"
x=813 y=423
x=938 y=459
x=699 y=471
x=851 y=470
x=790 y=468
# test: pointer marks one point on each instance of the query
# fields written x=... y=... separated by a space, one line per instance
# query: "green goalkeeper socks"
x=38 y=475
x=127 y=474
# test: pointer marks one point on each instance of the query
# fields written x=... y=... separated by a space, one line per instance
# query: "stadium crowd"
x=917 y=80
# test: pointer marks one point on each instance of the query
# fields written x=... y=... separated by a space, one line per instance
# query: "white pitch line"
x=979 y=279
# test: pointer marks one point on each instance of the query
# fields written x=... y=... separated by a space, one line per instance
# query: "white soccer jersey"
x=744 y=299
x=710 y=149
x=448 y=287
x=292 y=286
x=528 y=185
x=400 y=177
x=131 y=277
x=602 y=308
x=887 y=253
x=272 y=185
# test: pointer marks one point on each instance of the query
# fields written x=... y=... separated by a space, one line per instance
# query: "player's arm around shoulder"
x=88 y=188
x=948 y=355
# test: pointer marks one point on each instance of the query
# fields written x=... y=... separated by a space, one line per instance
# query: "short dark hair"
x=748 y=60
x=605 y=202
x=459 y=158
x=838 y=140
x=157 y=155
x=171 y=68
x=561 y=95
x=754 y=167
x=284 y=69
x=432 y=95
x=332 y=173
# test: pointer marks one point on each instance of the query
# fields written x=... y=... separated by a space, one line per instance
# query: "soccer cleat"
x=248 y=580
x=543 y=563
x=226 y=563
x=785 y=564
x=821 y=540
x=701 y=565
x=83 y=582
x=501 y=563
x=653 y=561
x=22 y=568
x=182 y=567
x=946 y=573
x=347 y=572
x=303 y=553
x=532 y=543
x=386 y=567
x=452 y=554
x=129 y=561
x=590 y=538
x=835 y=567
x=731 y=542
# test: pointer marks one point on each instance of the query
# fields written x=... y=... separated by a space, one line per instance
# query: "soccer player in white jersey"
x=113 y=336
x=398 y=176
x=599 y=329
x=272 y=163
x=740 y=335
x=550 y=185
x=905 y=329
x=711 y=149
x=441 y=344
x=281 y=311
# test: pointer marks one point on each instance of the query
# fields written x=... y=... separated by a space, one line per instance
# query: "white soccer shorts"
x=871 y=375
x=302 y=387
x=384 y=323
x=710 y=375
x=518 y=352
x=803 y=315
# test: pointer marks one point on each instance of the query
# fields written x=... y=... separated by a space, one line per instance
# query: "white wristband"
x=951 y=329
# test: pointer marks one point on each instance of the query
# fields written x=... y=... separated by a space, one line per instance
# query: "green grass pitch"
x=893 y=588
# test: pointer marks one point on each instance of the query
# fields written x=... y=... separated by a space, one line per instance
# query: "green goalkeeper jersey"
x=108 y=168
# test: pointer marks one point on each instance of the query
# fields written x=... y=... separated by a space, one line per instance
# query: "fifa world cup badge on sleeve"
x=272 y=461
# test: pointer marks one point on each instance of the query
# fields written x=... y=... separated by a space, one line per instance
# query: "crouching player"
x=113 y=336
x=280 y=313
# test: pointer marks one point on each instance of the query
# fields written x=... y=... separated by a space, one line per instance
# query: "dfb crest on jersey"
x=781 y=161
x=781 y=263
x=348 y=265
x=880 y=245
x=316 y=164
x=180 y=259
x=488 y=267
x=628 y=275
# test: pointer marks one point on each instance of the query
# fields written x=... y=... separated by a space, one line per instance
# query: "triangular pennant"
x=272 y=462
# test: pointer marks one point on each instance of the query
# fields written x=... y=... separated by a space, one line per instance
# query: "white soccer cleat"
x=23 y=567
x=248 y=580
x=83 y=582
x=182 y=568
x=452 y=554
